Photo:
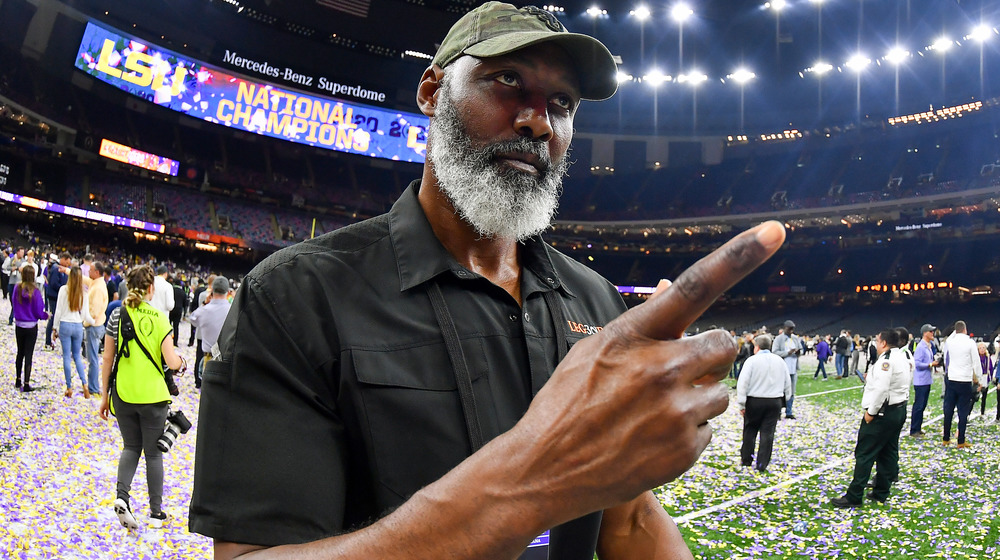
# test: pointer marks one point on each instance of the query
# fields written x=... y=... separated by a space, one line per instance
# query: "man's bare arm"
x=627 y=410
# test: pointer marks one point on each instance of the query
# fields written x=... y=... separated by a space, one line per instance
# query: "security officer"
x=884 y=403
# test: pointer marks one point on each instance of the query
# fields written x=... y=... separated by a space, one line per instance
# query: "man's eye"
x=507 y=79
x=564 y=101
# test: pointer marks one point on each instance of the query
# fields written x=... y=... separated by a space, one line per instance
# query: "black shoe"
x=27 y=388
x=789 y=417
x=843 y=503
x=871 y=497
x=17 y=383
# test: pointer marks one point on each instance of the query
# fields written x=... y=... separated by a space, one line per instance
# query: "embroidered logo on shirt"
x=584 y=328
x=885 y=366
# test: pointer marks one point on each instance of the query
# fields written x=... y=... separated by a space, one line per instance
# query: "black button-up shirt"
x=335 y=399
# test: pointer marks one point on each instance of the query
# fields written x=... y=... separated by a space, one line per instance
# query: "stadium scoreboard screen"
x=201 y=91
x=138 y=158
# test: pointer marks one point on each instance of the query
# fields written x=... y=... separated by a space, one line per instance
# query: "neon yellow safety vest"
x=139 y=380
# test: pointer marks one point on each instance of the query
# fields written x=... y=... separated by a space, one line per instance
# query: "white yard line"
x=784 y=484
x=830 y=391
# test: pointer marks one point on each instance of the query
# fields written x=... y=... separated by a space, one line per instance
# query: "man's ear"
x=427 y=89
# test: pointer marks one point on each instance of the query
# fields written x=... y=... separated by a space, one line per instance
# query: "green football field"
x=944 y=505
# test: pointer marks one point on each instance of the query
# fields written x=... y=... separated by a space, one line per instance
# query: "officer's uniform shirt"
x=877 y=385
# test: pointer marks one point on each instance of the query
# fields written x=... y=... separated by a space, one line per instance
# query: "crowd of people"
x=892 y=361
x=119 y=329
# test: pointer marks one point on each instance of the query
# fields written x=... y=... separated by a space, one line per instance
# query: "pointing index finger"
x=668 y=315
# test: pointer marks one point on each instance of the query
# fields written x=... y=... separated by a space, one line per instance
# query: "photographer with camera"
x=133 y=387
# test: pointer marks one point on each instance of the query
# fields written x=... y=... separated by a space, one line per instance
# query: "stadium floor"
x=58 y=463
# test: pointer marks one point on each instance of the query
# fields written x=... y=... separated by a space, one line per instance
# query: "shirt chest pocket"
x=411 y=414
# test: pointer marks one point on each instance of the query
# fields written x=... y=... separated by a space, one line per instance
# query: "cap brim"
x=593 y=61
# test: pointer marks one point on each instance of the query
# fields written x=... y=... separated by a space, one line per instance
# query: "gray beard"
x=496 y=200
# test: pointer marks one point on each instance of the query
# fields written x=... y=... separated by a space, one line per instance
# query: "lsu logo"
x=583 y=328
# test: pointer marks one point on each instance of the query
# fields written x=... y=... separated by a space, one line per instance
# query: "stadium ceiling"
x=727 y=66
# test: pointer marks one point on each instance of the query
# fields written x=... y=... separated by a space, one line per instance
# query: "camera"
x=177 y=424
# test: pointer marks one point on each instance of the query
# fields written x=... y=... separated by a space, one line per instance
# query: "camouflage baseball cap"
x=496 y=29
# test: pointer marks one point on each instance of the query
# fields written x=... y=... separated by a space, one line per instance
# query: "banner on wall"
x=75 y=212
x=201 y=91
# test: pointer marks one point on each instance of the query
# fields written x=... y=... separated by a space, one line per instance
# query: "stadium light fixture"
x=858 y=62
x=742 y=76
x=596 y=12
x=981 y=33
x=776 y=5
x=641 y=13
x=897 y=55
x=942 y=44
x=820 y=68
x=622 y=77
x=694 y=77
x=681 y=12
x=655 y=78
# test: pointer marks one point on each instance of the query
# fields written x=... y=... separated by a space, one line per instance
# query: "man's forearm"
x=479 y=510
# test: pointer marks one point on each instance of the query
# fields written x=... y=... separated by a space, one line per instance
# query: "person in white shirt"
x=163 y=292
x=788 y=347
x=884 y=403
x=964 y=370
x=763 y=386
x=71 y=314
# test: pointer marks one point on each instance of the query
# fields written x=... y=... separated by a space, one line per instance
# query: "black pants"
x=981 y=394
x=176 y=324
x=50 y=306
x=958 y=394
x=191 y=340
x=761 y=416
x=878 y=444
x=25 y=350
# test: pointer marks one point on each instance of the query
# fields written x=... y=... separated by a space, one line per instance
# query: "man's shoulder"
x=341 y=243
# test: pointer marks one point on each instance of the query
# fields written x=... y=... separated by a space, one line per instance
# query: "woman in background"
x=138 y=394
x=68 y=328
x=28 y=305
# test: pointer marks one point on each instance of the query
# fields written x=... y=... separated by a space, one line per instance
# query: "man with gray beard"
x=439 y=381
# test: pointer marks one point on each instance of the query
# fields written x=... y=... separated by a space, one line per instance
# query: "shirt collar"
x=420 y=256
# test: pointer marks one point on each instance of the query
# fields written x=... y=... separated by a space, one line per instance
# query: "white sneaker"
x=125 y=515
x=157 y=521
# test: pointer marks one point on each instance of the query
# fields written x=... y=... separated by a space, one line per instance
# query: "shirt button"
x=551 y=281
x=527 y=317
x=513 y=317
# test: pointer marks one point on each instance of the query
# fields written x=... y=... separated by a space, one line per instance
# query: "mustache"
x=492 y=151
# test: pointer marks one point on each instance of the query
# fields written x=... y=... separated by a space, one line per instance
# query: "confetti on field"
x=58 y=464
x=58 y=467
